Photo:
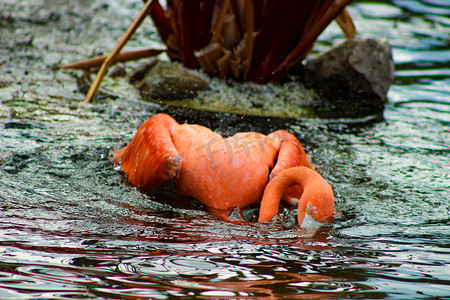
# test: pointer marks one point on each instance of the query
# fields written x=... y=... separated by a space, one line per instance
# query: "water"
x=71 y=228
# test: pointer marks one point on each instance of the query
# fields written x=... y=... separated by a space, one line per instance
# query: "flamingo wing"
x=223 y=173
x=151 y=157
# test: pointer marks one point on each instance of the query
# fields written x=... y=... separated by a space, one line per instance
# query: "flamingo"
x=227 y=173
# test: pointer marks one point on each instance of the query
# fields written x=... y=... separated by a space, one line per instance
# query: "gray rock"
x=358 y=70
x=160 y=80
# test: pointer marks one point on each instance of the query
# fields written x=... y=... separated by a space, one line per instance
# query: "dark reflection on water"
x=114 y=268
x=71 y=228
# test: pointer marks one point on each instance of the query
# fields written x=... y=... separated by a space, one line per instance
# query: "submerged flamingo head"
x=317 y=202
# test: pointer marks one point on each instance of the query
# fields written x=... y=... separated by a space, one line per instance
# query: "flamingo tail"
x=151 y=157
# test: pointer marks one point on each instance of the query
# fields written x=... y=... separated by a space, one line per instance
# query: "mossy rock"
x=172 y=84
x=160 y=80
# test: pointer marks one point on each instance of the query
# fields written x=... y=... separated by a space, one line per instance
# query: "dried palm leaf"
x=253 y=40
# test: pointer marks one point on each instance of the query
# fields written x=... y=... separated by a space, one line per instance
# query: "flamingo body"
x=220 y=173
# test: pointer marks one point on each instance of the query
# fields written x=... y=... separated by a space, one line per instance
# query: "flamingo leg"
x=224 y=215
x=112 y=56
x=221 y=214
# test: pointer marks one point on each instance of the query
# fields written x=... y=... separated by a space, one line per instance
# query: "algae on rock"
x=171 y=84
x=351 y=80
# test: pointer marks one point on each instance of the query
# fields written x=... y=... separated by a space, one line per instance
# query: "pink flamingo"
x=227 y=173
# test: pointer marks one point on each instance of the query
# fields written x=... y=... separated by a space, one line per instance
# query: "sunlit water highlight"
x=70 y=226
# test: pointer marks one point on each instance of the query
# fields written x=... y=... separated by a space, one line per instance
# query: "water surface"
x=71 y=227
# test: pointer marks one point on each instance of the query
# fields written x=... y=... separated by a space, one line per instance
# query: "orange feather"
x=222 y=173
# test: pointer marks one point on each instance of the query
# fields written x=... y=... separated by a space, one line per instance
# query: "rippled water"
x=70 y=226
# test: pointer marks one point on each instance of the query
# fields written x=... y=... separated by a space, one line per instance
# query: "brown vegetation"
x=249 y=40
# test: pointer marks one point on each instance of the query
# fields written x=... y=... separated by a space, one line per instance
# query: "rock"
x=117 y=71
x=160 y=80
x=356 y=71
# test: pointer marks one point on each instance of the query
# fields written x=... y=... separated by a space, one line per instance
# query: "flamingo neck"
x=317 y=195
